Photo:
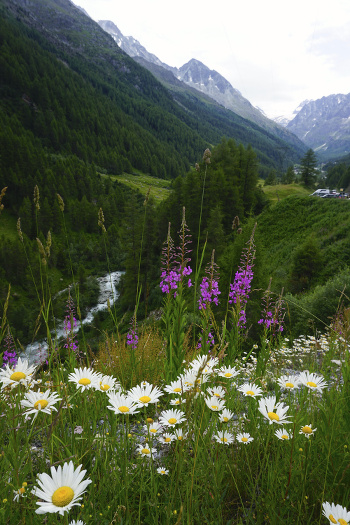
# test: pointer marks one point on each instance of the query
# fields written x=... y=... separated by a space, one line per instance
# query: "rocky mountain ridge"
x=324 y=125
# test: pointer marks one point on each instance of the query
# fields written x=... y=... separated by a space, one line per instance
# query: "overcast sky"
x=277 y=53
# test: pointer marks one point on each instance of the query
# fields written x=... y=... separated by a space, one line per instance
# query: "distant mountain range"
x=199 y=77
x=323 y=125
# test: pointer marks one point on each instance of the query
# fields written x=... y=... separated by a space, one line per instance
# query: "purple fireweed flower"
x=9 y=357
x=132 y=338
x=175 y=263
x=210 y=292
x=241 y=286
x=273 y=313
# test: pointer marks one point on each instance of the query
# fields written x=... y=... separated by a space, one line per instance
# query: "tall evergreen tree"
x=309 y=168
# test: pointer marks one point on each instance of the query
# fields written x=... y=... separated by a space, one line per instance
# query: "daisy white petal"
x=250 y=390
x=244 y=438
x=226 y=415
x=283 y=434
x=121 y=404
x=288 y=382
x=274 y=412
x=146 y=450
x=170 y=418
x=307 y=430
x=162 y=471
x=144 y=394
x=37 y=402
x=224 y=437
x=312 y=381
x=62 y=490
x=215 y=404
x=84 y=378
x=228 y=371
x=20 y=374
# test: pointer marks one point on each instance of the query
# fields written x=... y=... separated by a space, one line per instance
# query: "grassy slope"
x=287 y=224
x=281 y=191
x=160 y=188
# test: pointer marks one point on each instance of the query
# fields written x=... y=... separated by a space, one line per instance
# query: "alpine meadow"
x=174 y=302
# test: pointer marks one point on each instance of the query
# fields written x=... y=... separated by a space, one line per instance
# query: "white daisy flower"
x=228 y=371
x=20 y=374
x=250 y=390
x=20 y=493
x=288 y=382
x=192 y=379
x=244 y=437
x=281 y=433
x=79 y=522
x=179 y=435
x=312 y=381
x=203 y=364
x=274 y=412
x=153 y=428
x=177 y=401
x=216 y=391
x=145 y=450
x=176 y=387
x=170 y=418
x=225 y=415
x=166 y=438
x=307 y=431
x=163 y=471
x=215 y=404
x=62 y=490
x=144 y=394
x=85 y=378
x=224 y=437
x=39 y=402
x=107 y=383
x=335 y=513
x=121 y=404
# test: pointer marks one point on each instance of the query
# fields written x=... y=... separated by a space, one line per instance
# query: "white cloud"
x=276 y=53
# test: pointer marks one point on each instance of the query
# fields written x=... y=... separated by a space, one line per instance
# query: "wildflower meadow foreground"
x=178 y=424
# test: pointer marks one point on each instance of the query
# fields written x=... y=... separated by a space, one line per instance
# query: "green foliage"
x=308 y=168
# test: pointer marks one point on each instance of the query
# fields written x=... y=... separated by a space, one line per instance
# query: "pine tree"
x=309 y=168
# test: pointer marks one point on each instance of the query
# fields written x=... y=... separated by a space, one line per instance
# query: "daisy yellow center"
x=179 y=438
x=167 y=440
x=289 y=385
x=123 y=409
x=330 y=517
x=342 y=522
x=42 y=403
x=228 y=374
x=62 y=496
x=145 y=451
x=214 y=407
x=273 y=416
x=21 y=490
x=105 y=387
x=177 y=389
x=84 y=381
x=224 y=440
x=284 y=436
x=149 y=420
x=225 y=419
x=17 y=376
x=244 y=440
x=307 y=430
x=312 y=384
x=153 y=430
x=177 y=402
x=162 y=471
x=172 y=421
x=250 y=393
x=145 y=399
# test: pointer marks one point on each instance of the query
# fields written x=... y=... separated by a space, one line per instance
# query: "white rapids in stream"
x=37 y=352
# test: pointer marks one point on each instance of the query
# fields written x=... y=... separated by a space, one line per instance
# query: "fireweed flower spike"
x=273 y=314
x=209 y=287
x=241 y=286
x=20 y=374
x=132 y=338
x=62 y=490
